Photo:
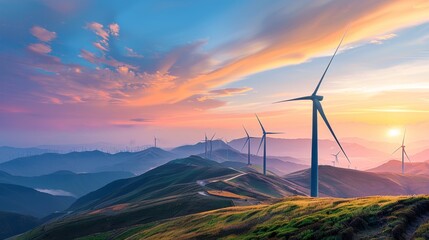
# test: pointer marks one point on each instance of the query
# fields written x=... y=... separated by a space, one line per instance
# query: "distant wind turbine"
x=333 y=163
x=248 y=146
x=336 y=157
x=211 y=145
x=205 y=145
x=154 y=139
x=404 y=153
x=264 y=140
x=317 y=107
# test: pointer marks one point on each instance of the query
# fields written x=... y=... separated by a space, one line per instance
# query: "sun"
x=393 y=132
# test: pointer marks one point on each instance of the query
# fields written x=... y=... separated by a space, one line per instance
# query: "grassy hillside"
x=180 y=187
x=395 y=166
x=292 y=218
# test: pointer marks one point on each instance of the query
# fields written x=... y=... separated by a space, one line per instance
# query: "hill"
x=341 y=182
x=65 y=182
x=180 y=187
x=292 y=218
x=279 y=167
x=395 y=166
x=199 y=148
x=93 y=161
x=420 y=156
x=9 y=153
x=27 y=201
x=12 y=224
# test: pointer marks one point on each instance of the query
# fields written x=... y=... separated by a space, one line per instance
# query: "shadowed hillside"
x=27 y=201
x=65 y=182
x=13 y=223
x=340 y=182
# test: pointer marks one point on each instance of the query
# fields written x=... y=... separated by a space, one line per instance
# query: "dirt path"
x=412 y=228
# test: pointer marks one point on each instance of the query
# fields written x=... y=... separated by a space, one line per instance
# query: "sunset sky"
x=119 y=71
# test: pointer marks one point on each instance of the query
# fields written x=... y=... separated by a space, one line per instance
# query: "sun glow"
x=393 y=132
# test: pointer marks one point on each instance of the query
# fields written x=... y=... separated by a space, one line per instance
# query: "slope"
x=12 y=224
x=341 y=182
x=292 y=218
x=27 y=201
x=65 y=181
x=395 y=166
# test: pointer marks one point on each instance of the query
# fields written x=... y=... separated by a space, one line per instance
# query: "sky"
x=88 y=71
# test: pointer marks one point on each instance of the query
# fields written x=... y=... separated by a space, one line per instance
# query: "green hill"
x=180 y=187
x=293 y=218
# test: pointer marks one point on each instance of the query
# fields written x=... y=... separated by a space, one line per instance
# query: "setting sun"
x=393 y=132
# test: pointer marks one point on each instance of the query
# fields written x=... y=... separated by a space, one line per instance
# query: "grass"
x=225 y=194
x=293 y=218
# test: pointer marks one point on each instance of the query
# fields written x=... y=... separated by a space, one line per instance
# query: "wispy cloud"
x=42 y=34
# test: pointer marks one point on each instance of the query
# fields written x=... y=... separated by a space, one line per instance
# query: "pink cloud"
x=99 y=46
x=97 y=28
x=40 y=48
x=42 y=34
x=114 y=29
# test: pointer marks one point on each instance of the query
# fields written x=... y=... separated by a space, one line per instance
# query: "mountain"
x=12 y=224
x=65 y=182
x=346 y=183
x=140 y=162
x=279 y=167
x=199 y=148
x=93 y=161
x=179 y=187
x=27 y=201
x=395 y=166
x=9 y=153
x=301 y=149
x=420 y=156
x=379 y=217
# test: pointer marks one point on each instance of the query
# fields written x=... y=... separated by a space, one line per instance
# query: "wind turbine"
x=404 y=153
x=205 y=145
x=154 y=139
x=333 y=163
x=211 y=145
x=248 y=146
x=317 y=107
x=264 y=139
x=336 y=157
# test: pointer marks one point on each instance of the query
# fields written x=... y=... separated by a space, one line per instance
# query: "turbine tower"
x=404 y=153
x=317 y=107
x=264 y=139
x=336 y=157
x=154 y=140
x=248 y=146
x=205 y=145
x=211 y=145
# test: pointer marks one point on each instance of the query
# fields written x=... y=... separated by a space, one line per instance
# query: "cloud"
x=55 y=192
x=98 y=29
x=139 y=120
x=226 y=92
x=40 y=48
x=114 y=29
x=382 y=38
x=42 y=34
x=131 y=53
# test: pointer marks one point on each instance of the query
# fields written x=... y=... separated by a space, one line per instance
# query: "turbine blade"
x=245 y=144
x=329 y=64
x=246 y=131
x=260 y=144
x=211 y=139
x=407 y=156
x=396 y=150
x=338 y=153
x=274 y=133
x=295 y=99
x=403 y=139
x=263 y=129
x=320 y=109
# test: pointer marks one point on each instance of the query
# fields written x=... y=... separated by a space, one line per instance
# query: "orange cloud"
x=314 y=32
x=40 y=48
